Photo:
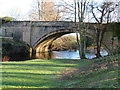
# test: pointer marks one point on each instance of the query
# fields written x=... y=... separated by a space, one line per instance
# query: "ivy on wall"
x=115 y=28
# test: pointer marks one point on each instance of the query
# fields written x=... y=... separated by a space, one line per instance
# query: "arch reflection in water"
x=46 y=55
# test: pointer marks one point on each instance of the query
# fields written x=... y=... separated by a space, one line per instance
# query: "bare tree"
x=35 y=11
x=44 y=11
x=101 y=14
x=48 y=12
x=82 y=8
x=66 y=10
x=76 y=12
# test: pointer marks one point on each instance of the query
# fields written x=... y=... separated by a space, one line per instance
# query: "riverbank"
x=11 y=47
x=62 y=73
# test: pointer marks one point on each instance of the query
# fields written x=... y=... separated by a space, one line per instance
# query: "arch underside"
x=44 y=43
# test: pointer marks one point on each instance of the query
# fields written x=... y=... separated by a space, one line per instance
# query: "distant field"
x=63 y=73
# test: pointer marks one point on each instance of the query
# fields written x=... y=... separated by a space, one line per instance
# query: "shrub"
x=6 y=19
x=116 y=50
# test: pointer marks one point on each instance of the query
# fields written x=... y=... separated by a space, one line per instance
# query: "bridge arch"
x=43 y=44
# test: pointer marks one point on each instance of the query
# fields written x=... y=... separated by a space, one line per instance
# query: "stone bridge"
x=40 y=34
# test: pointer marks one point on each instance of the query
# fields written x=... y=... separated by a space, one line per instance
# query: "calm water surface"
x=54 y=55
x=67 y=55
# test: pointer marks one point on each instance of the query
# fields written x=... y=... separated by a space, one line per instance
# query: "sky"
x=7 y=7
x=22 y=6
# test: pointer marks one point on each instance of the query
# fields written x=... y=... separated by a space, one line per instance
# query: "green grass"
x=37 y=73
x=64 y=73
x=103 y=73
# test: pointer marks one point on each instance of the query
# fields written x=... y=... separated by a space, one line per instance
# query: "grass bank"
x=63 y=73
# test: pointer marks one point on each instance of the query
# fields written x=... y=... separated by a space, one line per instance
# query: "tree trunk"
x=81 y=10
x=98 y=44
x=82 y=45
x=78 y=43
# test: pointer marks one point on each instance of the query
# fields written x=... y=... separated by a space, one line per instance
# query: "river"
x=54 y=55
x=66 y=55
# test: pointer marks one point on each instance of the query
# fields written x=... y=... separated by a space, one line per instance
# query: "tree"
x=35 y=11
x=101 y=14
x=6 y=19
x=77 y=10
x=48 y=12
x=67 y=42
x=82 y=8
x=66 y=11
x=113 y=27
x=44 y=11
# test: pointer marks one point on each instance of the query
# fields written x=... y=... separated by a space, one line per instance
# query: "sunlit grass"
x=36 y=73
x=40 y=73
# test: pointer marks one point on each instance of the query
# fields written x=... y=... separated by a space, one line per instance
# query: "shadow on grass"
x=40 y=65
x=27 y=79
x=23 y=84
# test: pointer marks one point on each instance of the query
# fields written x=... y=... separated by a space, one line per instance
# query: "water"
x=67 y=55
x=52 y=55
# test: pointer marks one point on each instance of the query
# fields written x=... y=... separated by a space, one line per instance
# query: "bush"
x=6 y=19
x=12 y=47
x=116 y=51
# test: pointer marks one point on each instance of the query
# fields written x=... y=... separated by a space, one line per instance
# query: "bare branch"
x=94 y=14
x=99 y=9
x=66 y=4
